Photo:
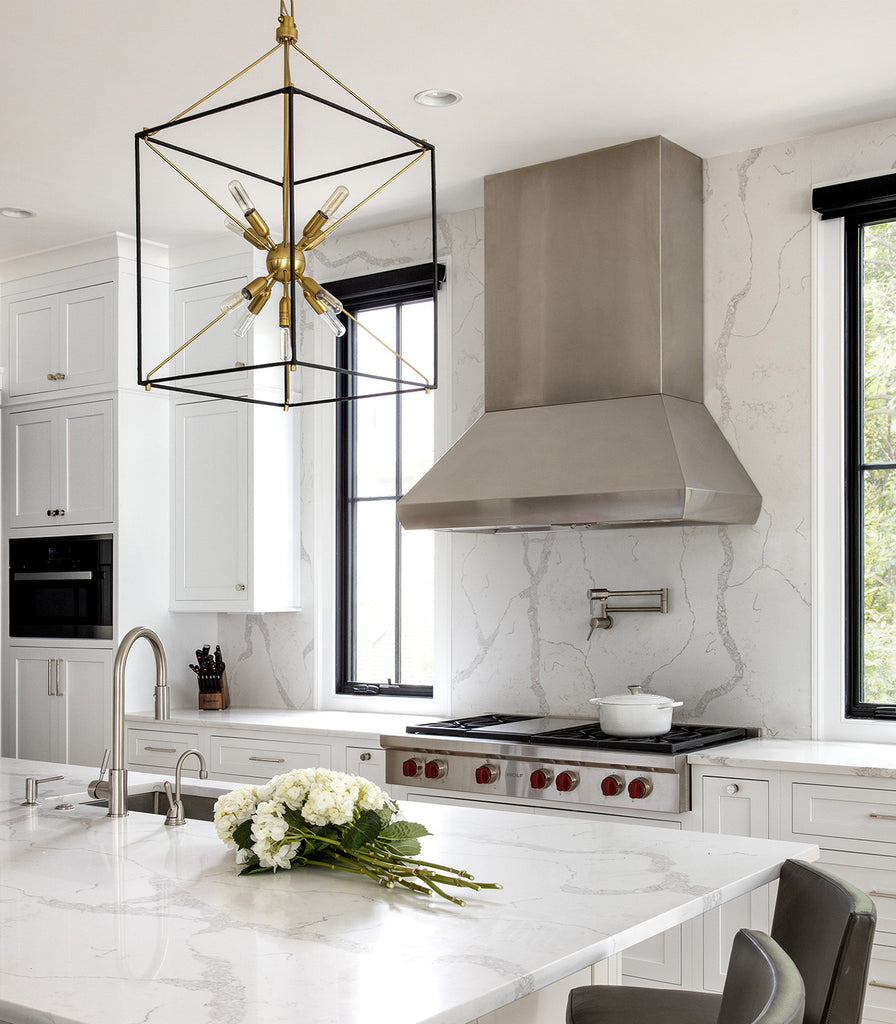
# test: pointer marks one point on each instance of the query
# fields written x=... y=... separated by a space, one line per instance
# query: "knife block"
x=215 y=696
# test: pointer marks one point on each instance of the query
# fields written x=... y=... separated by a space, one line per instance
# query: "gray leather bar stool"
x=762 y=986
x=824 y=924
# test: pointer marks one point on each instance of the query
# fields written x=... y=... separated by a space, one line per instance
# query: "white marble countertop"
x=364 y=725
x=126 y=920
x=869 y=760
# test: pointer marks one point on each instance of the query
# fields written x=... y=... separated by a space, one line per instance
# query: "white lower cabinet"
x=546 y=1006
x=157 y=748
x=880 y=996
x=60 y=701
x=368 y=762
x=733 y=807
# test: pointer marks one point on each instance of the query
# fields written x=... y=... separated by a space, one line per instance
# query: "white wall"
x=735 y=646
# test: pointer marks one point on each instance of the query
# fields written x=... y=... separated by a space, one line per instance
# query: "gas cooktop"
x=577 y=732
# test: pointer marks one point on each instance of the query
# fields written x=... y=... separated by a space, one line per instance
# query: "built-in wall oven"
x=61 y=587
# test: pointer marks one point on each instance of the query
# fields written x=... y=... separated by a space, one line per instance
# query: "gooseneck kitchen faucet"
x=116 y=789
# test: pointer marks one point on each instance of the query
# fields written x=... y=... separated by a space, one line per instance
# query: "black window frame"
x=398 y=288
x=859 y=204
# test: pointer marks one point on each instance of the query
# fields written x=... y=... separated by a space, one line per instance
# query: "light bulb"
x=285 y=344
x=241 y=196
x=328 y=299
x=340 y=194
x=332 y=321
x=233 y=302
x=232 y=225
x=242 y=328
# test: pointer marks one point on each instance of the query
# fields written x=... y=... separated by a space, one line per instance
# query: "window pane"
x=417 y=607
x=879 y=583
x=879 y=341
x=375 y=447
x=373 y=357
x=417 y=425
x=375 y=592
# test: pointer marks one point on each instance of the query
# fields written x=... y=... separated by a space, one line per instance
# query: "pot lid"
x=637 y=698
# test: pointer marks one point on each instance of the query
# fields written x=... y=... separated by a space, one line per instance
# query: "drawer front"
x=161 y=749
x=877 y=877
x=880 y=996
x=254 y=758
x=845 y=812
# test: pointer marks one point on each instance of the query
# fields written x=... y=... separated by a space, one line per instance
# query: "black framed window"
x=385 y=585
x=868 y=209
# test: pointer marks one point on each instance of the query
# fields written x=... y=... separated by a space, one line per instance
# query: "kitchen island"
x=126 y=920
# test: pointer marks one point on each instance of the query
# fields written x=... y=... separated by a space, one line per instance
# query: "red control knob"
x=567 y=781
x=411 y=768
x=612 y=785
x=639 y=788
x=540 y=779
x=486 y=773
x=435 y=769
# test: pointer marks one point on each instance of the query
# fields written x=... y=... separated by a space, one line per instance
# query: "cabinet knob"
x=365 y=756
x=60 y=511
x=240 y=586
x=60 y=376
x=732 y=789
x=51 y=376
x=49 y=511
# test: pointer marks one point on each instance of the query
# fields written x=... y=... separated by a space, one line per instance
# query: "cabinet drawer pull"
x=268 y=760
x=240 y=586
x=49 y=677
x=882 y=894
x=881 y=984
x=162 y=750
x=883 y=817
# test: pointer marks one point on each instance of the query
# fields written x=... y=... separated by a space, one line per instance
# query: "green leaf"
x=255 y=869
x=294 y=819
x=363 y=831
x=404 y=830
x=242 y=835
x=404 y=847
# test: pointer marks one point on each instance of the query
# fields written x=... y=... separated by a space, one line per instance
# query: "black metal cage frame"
x=177 y=382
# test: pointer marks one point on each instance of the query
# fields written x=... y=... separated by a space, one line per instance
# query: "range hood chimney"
x=594 y=410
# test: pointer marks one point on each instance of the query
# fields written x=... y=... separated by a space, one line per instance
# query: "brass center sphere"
x=278 y=262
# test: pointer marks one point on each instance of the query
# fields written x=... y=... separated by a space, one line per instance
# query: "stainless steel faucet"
x=175 y=815
x=116 y=789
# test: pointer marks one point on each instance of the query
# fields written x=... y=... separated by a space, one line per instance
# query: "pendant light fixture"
x=283 y=288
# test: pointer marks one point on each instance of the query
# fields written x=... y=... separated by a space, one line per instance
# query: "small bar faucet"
x=116 y=789
x=175 y=814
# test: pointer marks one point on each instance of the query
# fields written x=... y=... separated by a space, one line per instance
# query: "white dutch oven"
x=635 y=713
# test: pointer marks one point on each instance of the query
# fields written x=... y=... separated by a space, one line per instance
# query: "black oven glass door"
x=61 y=588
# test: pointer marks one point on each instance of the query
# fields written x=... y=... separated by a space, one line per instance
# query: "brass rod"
x=287 y=177
x=190 y=342
x=268 y=244
x=357 y=206
x=342 y=85
x=224 y=85
x=410 y=366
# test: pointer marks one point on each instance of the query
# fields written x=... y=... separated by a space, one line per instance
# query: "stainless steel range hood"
x=594 y=410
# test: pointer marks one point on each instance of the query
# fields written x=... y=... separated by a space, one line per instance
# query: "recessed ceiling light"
x=438 y=97
x=16 y=213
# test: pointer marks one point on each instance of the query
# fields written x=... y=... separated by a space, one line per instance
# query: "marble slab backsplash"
x=735 y=646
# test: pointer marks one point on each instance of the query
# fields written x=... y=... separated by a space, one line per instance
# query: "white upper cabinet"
x=234 y=524
x=61 y=341
x=193 y=308
x=59 y=465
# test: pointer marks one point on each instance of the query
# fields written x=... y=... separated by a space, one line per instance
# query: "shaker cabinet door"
x=33 y=326
x=33 y=468
x=211 y=502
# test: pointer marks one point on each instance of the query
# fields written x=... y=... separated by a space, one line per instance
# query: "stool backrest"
x=826 y=926
x=762 y=985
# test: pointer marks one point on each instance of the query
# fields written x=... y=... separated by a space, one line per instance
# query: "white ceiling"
x=540 y=81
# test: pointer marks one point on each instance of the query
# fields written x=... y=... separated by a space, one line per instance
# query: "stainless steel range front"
x=555 y=761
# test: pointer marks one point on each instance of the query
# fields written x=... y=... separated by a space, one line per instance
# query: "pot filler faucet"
x=116 y=789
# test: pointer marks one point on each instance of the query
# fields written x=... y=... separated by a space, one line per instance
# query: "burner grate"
x=680 y=738
x=459 y=726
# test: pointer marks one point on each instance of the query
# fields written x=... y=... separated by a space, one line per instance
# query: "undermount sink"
x=199 y=807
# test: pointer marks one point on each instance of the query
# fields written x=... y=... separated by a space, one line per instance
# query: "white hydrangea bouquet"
x=315 y=816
